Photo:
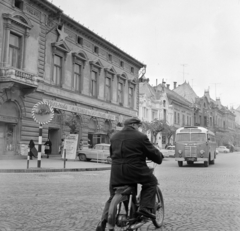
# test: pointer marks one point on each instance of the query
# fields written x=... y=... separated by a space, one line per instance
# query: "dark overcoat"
x=129 y=149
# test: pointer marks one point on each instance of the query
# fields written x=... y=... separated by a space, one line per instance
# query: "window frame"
x=79 y=59
x=110 y=74
x=132 y=85
x=95 y=67
x=121 y=79
x=20 y=26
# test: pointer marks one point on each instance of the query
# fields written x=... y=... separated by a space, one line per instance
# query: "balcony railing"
x=8 y=74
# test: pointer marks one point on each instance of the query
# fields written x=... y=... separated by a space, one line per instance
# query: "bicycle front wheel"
x=159 y=209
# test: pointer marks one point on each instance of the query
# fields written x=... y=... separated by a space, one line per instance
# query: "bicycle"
x=122 y=214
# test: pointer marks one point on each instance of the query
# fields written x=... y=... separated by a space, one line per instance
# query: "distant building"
x=46 y=55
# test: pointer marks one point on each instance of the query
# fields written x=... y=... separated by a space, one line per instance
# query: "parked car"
x=168 y=152
x=98 y=152
x=222 y=149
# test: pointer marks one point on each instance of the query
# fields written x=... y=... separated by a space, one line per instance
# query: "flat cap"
x=132 y=120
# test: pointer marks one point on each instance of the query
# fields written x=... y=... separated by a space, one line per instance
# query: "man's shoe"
x=146 y=213
x=101 y=225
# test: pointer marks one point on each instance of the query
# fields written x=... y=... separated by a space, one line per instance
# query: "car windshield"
x=105 y=147
x=191 y=137
x=98 y=147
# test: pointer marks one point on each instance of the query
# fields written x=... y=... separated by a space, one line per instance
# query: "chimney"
x=156 y=82
x=175 y=85
x=168 y=85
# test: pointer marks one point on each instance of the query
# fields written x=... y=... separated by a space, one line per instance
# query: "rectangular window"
x=121 y=64
x=165 y=114
x=132 y=70
x=57 y=70
x=110 y=57
x=77 y=77
x=183 y=120
x=205 y=121
x=80 y=40
x=175 y=117
x=108 y=89
x=14 y=51
x=130 y=97
x=94 y=83
x=178 y=115
x=96 y=50
x=120 y=93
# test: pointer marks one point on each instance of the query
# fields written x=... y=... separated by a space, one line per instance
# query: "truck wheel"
x=206 y=163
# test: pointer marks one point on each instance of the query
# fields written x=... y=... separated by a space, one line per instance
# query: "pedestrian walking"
x=61 y=147
x=48 y=147
x=32 y=150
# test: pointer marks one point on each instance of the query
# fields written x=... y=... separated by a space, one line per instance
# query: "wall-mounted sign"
x=80 y=110
x=42 y=112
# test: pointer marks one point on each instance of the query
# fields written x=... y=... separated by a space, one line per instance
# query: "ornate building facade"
x=211 y=114
x=46 y=55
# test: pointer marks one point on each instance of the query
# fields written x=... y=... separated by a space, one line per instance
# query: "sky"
x=197 y=41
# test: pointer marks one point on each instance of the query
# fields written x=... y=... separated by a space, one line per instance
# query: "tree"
x=73 y=122
x=157 y=126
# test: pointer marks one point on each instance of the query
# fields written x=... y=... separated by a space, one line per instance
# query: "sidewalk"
x=53 y=164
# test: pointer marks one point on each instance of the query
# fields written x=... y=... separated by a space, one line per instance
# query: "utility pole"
x=183 y=70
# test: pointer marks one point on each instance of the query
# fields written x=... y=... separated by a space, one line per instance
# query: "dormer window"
x=18 y=4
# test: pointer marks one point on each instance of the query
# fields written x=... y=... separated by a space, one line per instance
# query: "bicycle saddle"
x=125 y=190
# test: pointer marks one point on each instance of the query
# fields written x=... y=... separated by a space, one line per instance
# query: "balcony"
x=15 y=77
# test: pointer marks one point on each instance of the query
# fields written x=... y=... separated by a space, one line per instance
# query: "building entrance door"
x=7 y=138
x=54 y=137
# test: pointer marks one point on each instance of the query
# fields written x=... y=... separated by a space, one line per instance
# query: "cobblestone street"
x=196 y=198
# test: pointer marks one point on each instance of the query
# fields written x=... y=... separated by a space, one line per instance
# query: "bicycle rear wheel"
x=159 y=209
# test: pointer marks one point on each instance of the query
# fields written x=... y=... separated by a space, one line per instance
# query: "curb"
x=52 y=170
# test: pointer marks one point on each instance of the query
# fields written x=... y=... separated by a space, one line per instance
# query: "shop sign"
x=70 y=144
x=79 y=110
x=8 y=119
x=42 y=112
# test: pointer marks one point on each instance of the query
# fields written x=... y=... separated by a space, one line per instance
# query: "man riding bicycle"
x=129 y=150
